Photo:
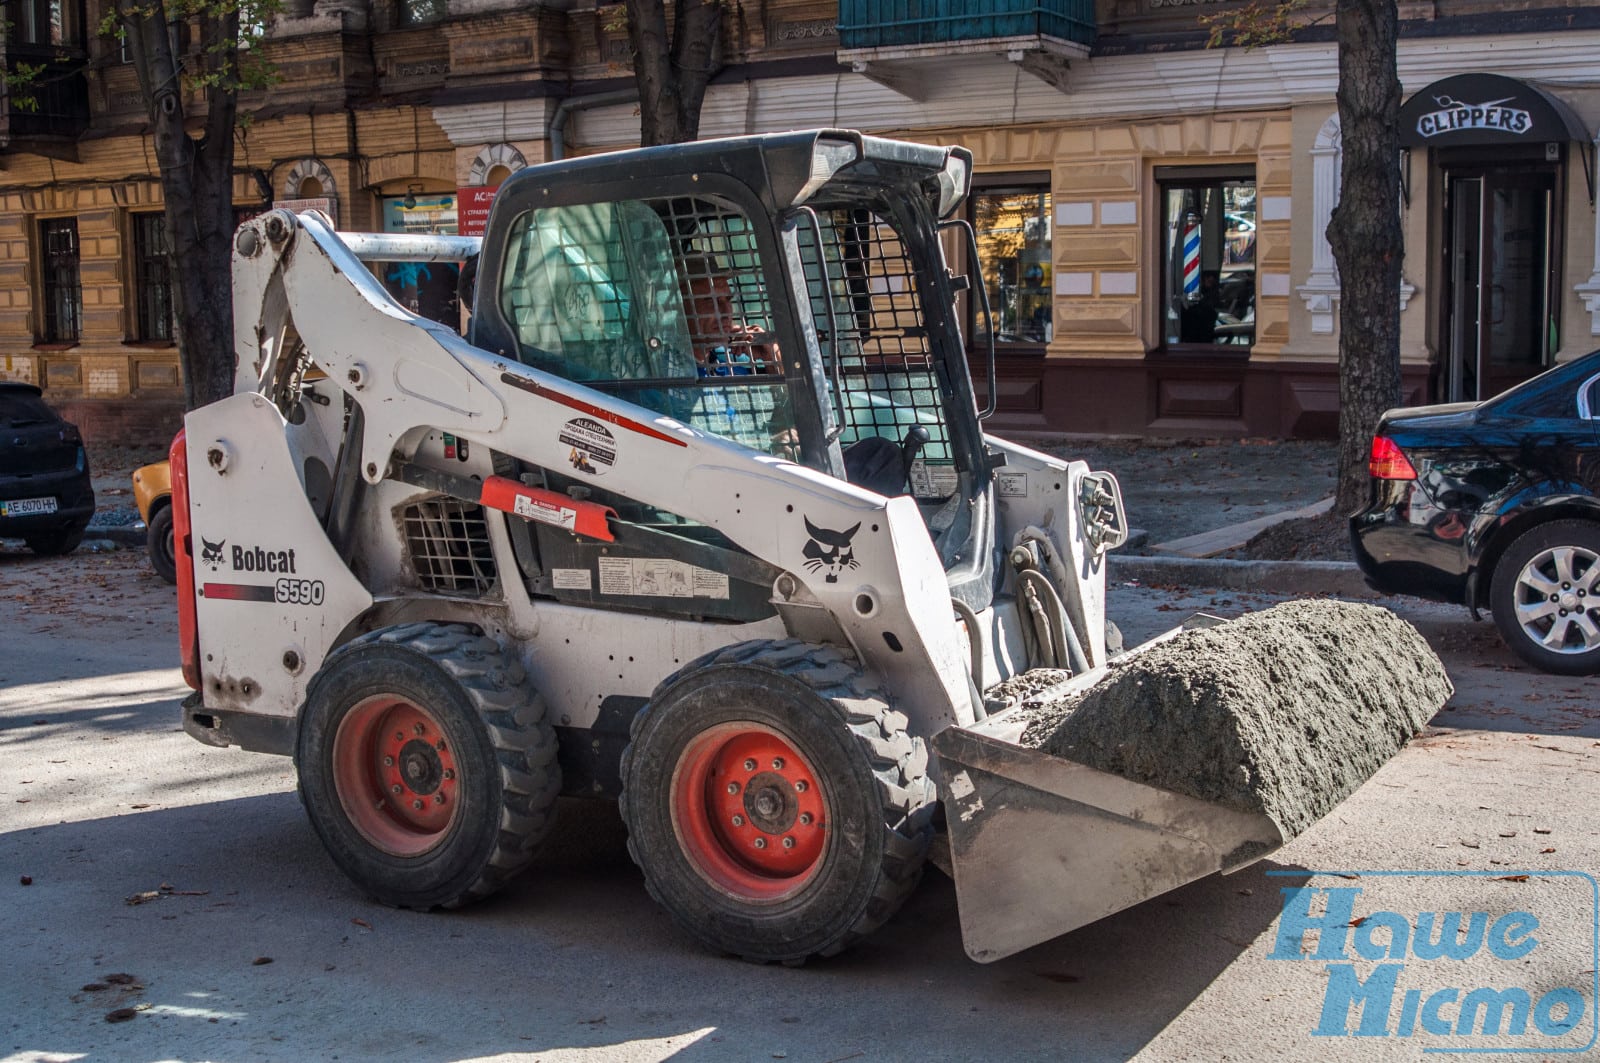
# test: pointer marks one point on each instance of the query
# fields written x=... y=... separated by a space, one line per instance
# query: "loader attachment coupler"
x=1197 y=752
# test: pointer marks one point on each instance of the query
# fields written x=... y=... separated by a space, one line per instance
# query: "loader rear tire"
x=427 y=764
x=774 y=801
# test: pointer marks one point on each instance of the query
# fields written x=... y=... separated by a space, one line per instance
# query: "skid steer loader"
x=697 y=516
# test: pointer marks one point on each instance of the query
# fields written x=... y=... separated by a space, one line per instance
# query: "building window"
x=63 y=294
x=152 y=273
x=428 y=289
x=58 y=23
x=1208 y=257
x=421 y=12
x=1012 y=222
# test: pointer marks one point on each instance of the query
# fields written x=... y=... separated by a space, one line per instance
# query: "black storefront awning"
x=1470 y=109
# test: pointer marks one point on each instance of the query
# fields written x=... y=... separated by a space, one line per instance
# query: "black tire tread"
x=1506 y=569
x=515 y=719
x=899 y=764
x=158 y=544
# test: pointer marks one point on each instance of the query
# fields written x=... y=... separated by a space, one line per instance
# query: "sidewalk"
x=1202 y=498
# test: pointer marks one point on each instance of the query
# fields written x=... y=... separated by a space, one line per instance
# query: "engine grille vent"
x=449 y=545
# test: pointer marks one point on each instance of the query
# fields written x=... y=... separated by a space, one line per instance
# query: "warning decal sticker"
x=545 y=513
x=572 y=579
x=1011 y=484
x=657 y=577
x=591 y=448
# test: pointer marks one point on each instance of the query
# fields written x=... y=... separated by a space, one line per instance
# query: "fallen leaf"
x=593 y=1022
x=1357 y=921
x=1545 y=851
x=1541 y=830
x=260 y=961
x=144 y=898
x=139 y=806
x=1469 y=845
x=1508 y=834
x=1246 y=892
x=27 y=880
x=362 y=922
x=95 y=987
x=119 y=979
x=1511 y=878
x=120 y=1015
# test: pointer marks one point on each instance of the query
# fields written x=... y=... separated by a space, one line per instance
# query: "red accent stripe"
x=548 y=507
x=589 y=408
x=240 y=592
x=183 y=556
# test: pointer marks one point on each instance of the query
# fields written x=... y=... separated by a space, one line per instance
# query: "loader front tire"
x=427 y=764
x=774 y=801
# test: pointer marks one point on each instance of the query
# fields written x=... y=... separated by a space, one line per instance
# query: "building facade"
x=1150 y=211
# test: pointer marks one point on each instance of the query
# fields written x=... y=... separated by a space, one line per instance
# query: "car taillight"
x=1388 y=461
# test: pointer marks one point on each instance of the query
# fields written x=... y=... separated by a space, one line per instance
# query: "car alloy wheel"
x=1558 y=599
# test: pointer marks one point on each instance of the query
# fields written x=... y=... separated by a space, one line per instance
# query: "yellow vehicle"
x=152 y=493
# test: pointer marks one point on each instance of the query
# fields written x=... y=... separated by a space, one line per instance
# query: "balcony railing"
x=903 y=23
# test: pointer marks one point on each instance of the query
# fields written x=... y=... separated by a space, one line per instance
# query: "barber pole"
x=1191 y=255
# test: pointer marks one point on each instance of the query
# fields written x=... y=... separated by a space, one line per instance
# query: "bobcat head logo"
x=211 y=553
x=830 y=550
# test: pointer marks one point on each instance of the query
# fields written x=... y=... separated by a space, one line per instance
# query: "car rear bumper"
x=1399 y=556
x=74 y=503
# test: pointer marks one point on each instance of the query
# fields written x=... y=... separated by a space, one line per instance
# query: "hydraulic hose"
x=1061 y=634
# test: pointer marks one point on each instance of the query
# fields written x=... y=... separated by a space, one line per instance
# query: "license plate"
x=27 y=507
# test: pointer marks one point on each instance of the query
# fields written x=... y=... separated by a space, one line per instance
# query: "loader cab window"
x=888 y=377
x=662 y=302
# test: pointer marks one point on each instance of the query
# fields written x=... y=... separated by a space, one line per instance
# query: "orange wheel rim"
x=396 y=775
x=749 y=812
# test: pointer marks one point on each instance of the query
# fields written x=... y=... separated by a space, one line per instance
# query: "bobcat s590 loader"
x=698 y=516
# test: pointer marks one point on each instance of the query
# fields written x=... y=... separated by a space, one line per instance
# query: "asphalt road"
x=247 y=944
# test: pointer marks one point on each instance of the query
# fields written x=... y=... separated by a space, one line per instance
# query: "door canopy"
x=1470 y=109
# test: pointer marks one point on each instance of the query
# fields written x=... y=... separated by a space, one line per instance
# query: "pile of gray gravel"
x=1282 y=712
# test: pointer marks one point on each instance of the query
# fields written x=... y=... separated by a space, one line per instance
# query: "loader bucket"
x=1041 y=845
x=1200 y=751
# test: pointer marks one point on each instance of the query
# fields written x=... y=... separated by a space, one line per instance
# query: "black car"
x=45 y=496
x=1496 y=505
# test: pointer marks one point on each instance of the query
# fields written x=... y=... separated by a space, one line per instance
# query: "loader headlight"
x=1105 y=526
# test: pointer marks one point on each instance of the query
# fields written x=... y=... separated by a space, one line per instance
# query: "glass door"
x=1501 y=325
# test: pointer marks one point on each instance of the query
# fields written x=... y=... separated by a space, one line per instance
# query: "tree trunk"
x=197 y=187
x=672 y=73
x=1365 y=236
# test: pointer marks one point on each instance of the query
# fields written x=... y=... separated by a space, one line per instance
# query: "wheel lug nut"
x=801 y=786
x=449 y=773
x=439 y=745
x=788 y=843
x=777 y=763
x=417 y=804
x=805 y=819
x=421 y=730
x=388 y=762
x=733 y=788
x=761 y=843
x=438 y=799
x=399 y=736
x=749 y=765
x=395 y=788
x=738 y=821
